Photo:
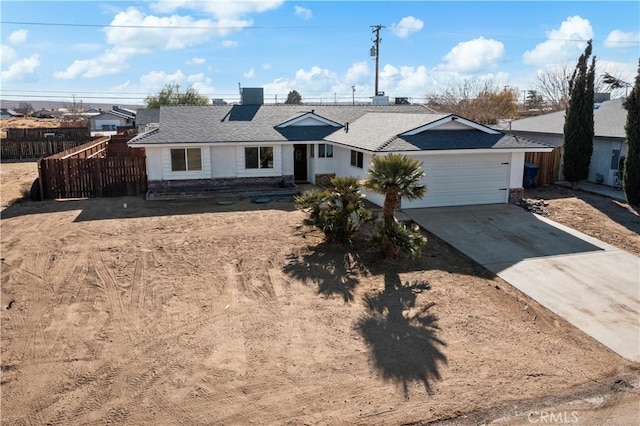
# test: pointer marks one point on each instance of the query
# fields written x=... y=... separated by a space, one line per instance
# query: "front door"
x=300 y=163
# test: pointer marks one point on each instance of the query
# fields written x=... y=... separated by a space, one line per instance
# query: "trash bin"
x=530 y=173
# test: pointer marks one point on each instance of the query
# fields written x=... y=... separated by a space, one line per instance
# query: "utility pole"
x=353 y=95
x=375 y=51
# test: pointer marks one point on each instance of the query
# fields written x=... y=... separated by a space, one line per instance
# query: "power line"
x=264 y=27
x=165 y=27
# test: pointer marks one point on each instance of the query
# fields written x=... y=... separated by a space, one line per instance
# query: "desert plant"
x=338 y=211
x=401 y=239
x=395 y=176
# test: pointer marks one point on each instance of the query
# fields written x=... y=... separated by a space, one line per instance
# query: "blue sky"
x=120 y=51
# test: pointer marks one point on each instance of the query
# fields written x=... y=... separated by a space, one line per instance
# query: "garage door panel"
x=454 y=180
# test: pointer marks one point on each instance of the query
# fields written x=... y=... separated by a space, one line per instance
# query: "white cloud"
x=357 y=72
x=19 y=36
x=201 y=84
x=86 y=47
x=404 y=80
x=7 y=54
x=324 y=86
x=196 y=61
x=219 y=9
x=112 y=62
x=303 y=12
x=154 y=81
x=134 y=33
x=22 y=69
x=316 y=79
x=473 y=55
x=158 y=33
x=313 y=85
x=617 y=38
x=406 y=26
x=229 y=43
x=249 y=74
x=266 y=66
x=562 y=45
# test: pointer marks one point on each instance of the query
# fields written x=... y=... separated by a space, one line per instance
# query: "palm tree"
x=396 y=176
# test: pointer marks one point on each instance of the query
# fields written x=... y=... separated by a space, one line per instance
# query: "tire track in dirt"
x=138 y=290
x=111 y=292
x=232 y=284
x=36 y=319
x=276 y=279
x=35 y=266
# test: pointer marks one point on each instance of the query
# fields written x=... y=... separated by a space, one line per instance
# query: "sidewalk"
x=607 y=191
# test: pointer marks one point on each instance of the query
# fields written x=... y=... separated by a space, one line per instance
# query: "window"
x=356 y=159
x=186 y=160
x=258 y=157
x=615 y=159
x=325 y=150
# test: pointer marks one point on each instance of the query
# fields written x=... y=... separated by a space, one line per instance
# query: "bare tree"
x=24 y=108
x=553 y=85
x=477 y=100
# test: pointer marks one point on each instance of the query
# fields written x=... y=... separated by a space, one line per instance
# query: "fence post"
x=41 y=179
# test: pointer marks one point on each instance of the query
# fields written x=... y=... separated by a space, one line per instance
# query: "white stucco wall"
x=223 y=161
x=601 y=160
x=322 y=165
x=154 y=163
x=287 y=159
x=516 y=172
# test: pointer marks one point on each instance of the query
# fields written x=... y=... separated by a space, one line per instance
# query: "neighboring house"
x=147 y=119
x=8 y=113
x=108 y=121
x=609 y=142
x=198 y=148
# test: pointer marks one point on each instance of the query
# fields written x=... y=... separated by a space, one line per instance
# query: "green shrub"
x=401 y=239
x=338 y=211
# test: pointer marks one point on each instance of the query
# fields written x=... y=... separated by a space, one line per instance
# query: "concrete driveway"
x=592 y=285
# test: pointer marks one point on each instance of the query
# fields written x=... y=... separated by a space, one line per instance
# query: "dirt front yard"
x=126 y=311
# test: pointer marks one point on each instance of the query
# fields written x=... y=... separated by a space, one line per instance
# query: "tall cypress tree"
x=578 y=122
x=631 y=178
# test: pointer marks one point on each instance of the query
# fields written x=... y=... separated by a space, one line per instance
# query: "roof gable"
x=309 y=119
x=451 y=122
x=437 y=140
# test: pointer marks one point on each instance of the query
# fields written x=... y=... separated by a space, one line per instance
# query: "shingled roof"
x=251 y=123
x=369 y=128
x=609 y=119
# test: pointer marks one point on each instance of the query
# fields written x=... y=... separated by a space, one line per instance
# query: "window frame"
x=325 y=150
x=357 y=159
x=260 y=157
x=185 y=158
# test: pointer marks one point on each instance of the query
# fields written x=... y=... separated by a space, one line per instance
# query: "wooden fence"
x=94 y=170
x=548 y=163
x=41 y=133
x=33 y=150
x=36 y=143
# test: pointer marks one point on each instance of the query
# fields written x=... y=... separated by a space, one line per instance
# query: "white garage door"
x=458 y=180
